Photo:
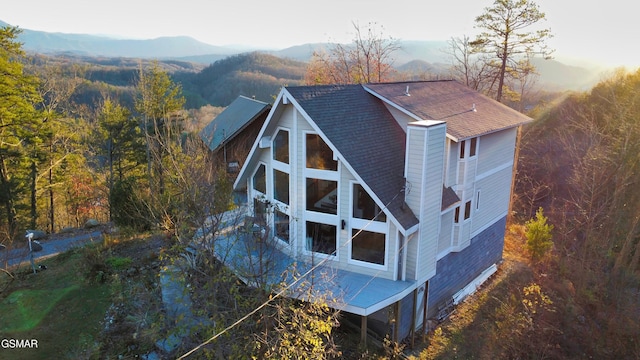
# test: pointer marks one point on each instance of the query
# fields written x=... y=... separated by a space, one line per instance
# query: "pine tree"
x=538 y=234
x=18 y=127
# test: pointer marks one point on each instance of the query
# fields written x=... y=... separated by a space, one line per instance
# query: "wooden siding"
x=496 y=149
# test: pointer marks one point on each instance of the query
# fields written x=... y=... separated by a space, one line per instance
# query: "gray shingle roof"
x=364 y=132
x=366 y=135
x=238 y=115
x=452 y=102
x=449 y=198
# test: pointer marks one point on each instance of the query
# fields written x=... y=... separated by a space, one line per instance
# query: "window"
x=281 y=146
x=368 y=246
x=467 y=209
x=281 y=222
x=473 y=146
x=281 y=186
x=456 y=216
x=260 y=179
x=319 y=155
x=321 y=238
x=478 y=200
x=322 y=196
x=364 y=207
x=259 y=211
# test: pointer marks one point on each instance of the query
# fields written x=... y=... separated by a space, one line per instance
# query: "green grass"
x=24 y=309
x=57 y=307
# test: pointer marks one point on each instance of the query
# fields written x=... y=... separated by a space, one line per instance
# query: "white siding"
x=402 y=118
x=412 y=251
x=432 y=202
x=452 y=162
x=495 y=150
x=494 y=198
x=446 y=229
x=414 y=167
x=424 y=172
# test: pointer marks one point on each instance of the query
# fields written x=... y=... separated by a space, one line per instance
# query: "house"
x=230 y=135
x=401 y=190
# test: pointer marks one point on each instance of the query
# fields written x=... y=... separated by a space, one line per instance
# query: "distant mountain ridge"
x=417 y=56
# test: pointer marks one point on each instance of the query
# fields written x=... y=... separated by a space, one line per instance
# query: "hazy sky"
x=607 y=32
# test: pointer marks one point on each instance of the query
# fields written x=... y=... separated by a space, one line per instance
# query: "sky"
x=602 y=32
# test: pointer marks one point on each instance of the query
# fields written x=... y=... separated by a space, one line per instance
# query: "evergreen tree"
x=538 y=234
x=18 y=127
x=506 y=40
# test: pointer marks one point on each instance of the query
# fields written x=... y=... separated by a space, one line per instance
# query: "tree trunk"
x=51 y=203
x=34 y=211
x=8 y=201
x=110 y=173
x=503 y=68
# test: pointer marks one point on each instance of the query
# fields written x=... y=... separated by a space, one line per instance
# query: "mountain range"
x=416 y=56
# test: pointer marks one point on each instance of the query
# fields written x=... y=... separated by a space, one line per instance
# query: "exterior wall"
x=425 y=166
x=456 y=270
x=412 y=260
x=407 y=304
x=381 y=322
x=496 y=150
x=415 y=160
x=291 y=120
x=237 y=148
x=492 y=199
x=402 y=118
x=446 y=230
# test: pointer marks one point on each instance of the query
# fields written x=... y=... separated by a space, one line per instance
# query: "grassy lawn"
x=57 y=307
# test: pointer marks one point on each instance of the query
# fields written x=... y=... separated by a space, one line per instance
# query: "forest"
x=116 y=140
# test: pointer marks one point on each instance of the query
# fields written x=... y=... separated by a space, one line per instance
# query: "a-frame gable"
x=367 y=139
x=250 y=163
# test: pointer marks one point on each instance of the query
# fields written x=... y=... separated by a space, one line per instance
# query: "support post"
x=413 y=317
x=363 y=330
x=396 y=329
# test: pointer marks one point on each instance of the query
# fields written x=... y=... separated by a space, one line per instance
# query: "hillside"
x=252 y=74
x=579 y=161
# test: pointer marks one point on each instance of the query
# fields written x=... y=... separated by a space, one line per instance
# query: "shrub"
x=538 y=234
x=118 y=263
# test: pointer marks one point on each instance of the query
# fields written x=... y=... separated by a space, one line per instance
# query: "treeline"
x=580 y=162
x=62 y=151
x=72 y=149
x=252 y=74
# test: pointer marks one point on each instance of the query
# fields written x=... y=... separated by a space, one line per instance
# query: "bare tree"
x=368 y=59
x=474 y=70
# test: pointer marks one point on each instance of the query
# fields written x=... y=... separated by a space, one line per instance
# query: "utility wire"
x=286 y=288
